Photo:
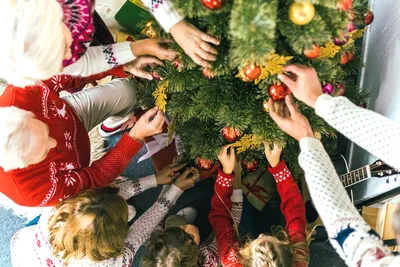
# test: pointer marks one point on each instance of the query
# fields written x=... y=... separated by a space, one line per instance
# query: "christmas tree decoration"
x=368 y=17
x=177 y=63
x=301 y=13
x=160 y=95
x=272 y=64
x=249 y=166
x=230 y=134
x=318 y=135
x=328 y=88
x=213 y=4
x=341 y=40
x=208 y=73
x=346 y=57
x=204 y=164
x=243 y=77
x=344 y=4
x=329 y=50
x=248 y=142
x=351 y=14
x=149 y=31
x=265 y=105
x=340 y=87
x=278 y=92
x=312 y=53
x=351 y=27
x=251 y=72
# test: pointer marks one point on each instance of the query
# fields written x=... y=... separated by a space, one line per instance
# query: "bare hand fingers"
x=178 y=167
x=296 y=69
x=167 y=54
x=289 y=103
x=267 y=148
x=286 y=80
x=149 y=61
x=209 y=38
x=142 y=74
x=199 y=61
x=205 y=55
x=150 y=113
x=208 y=48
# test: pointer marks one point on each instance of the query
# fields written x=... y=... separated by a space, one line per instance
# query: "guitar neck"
x=355 y=176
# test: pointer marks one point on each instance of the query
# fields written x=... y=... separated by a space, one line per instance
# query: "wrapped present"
x=123 y=36
x=259 y=188
x=133 y=15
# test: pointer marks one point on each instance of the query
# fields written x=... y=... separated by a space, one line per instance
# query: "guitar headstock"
x=381 y=170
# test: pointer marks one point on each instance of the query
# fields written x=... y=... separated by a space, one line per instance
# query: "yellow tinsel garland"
x=248 y=142
x=272 y=65
x=160 y=95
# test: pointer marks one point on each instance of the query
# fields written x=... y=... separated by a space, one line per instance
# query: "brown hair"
x=172 y=247
x=92 y=224
x=277 y=251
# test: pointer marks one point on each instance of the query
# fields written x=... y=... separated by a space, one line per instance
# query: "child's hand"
x=153 y=47
x=274 y=155
x=169 y=173
x=195 y=43
x=187 y=179
x=228 y=161
x=137 y=66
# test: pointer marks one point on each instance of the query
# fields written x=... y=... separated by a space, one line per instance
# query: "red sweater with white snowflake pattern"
x=65 y=171
x=292 y=207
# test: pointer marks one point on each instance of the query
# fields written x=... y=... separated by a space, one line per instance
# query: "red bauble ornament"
x=340 y=86
x=252 y=72
x=312 y=53
x=230 y=134
x=351 y=27
x=369 y=17
x=207 y=72
x=177 y=63
x=204 y=164
x=249 y=166
x=344 y=4
x=346 y=57
x=278 y=92
x=342 y=40
x=213 y=4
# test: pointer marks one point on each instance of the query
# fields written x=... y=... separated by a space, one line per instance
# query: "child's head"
x=175 y=246
x=92 y=224
x=267 y=251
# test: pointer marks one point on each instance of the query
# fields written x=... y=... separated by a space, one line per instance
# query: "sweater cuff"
x=128 y=146
x=280 y=171
x=225 y=180
x=322 y=105
x=123 y=52
x=148 y=182
x=237 y=195
x=171 y=196
x=309 y=143
x=167 y=15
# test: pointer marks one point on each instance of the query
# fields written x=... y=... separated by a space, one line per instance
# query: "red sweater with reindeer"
x=292 y=207
x=65 y=171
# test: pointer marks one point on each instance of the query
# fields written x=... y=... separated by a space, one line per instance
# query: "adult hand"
x=136 y=67
x=153 y=47
x=149 y=124
x=228 y=161
x=169 y=173
x=195 y=43
x=187 y=179
x=295 y=124
x=274 y=155
x=307 y=87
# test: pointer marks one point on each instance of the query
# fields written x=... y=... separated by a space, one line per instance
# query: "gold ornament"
x=301 y=13
x=243 y=77
x=160 y=95
x=329 y=50
x=318 y=135
x=248 y=141
x=272 y=64
x=265 y=105
x=149 y=30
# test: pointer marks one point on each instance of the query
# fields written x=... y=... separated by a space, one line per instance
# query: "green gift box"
x=133 y=15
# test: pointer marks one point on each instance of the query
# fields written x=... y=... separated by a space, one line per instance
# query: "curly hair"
x=172 y=247
x=92 y=224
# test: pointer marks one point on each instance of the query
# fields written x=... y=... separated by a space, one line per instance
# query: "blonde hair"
x=93 y=224
x=276 y=252
x=32 y=46
x=16 y=139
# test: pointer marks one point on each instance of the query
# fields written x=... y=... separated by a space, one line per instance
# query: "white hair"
x=32 y=46
x=16 y=138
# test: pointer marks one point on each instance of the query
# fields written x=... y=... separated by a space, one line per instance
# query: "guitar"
x=365 y=186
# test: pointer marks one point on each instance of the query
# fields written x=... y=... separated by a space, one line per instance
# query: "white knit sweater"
x=350 y=235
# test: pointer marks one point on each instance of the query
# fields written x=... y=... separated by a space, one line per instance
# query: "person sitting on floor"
x=287 y=249
x=179 y=243
x=91 y=229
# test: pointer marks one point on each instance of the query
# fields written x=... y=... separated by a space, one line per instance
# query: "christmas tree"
x=226 y=103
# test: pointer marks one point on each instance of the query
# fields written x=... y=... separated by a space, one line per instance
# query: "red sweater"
x=292 y=207
x=65 y=171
